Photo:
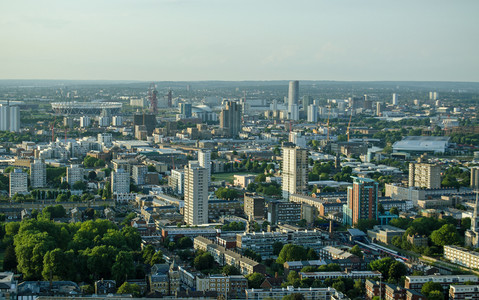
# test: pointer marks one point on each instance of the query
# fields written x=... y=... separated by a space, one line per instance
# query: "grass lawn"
x=229 y=176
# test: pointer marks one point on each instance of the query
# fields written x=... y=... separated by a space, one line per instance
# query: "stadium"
x=86 y=108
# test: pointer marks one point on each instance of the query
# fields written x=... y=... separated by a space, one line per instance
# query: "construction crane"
x=349 y=124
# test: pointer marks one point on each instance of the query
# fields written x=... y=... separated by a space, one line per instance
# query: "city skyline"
x=210 y=40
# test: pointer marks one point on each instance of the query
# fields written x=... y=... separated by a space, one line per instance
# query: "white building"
x=297 y=138
x=196 y=194
x=295 y=170
x=18 y=182
x=9 y=118
x=117 y=121
x=139 y=174
x=312 y=113
x=204 y=159
x=85 y=121
x=177 y=181
x=38 y=174
x=74 y=174
x=105 y=139
x=120 y=181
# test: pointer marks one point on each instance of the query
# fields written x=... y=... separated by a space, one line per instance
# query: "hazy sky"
x=240 y=39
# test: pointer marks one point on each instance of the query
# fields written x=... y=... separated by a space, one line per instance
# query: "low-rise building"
x=308 y=293
x=330 y=252
x=334 y=275
x=462 y=256
x=416 y=282
x=418 y=240
x=462 y=292
x=385 y=233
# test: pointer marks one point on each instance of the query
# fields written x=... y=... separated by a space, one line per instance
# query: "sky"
x=188 y=40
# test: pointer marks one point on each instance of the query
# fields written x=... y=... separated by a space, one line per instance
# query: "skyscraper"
x=293 y=97
x=475 y=178
x=395 y=99
x=9 y=118
x=38 y=174
x=139 y=174
x=307 y=101
x=120 y=181
x=18 y=182
x=362 y=201
x=471 y=236
x=196 y=194
x=295 y=170
x=185 y=109
x=204 y=159
x=230 y=118
x=312 y=113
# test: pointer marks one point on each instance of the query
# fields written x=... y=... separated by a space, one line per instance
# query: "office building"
x=204 y=159
x=282 y=212
x=74 y=174
x=9 y=118
x=185 y=109
x=395 y=99
x=230 y=119
x=38 y=174
x=147 y=120
x=139 y=174
x=475 y=178
x=312 y=113
x=293 y=97
x=307 y=101
x=295 y=170
x=425 y=175
x=362 y=201
x=385 y=233
x=254 y=206
x=196 y=194
x=378 y=109
x=120 y=182
x=18 y=182
x=85 y=121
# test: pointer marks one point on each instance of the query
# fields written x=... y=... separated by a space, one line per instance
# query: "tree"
x=79 y=185
x=277 y=246
x=123 y=268
x=185 y=242
x=394 y=211
x=430 y=286
x=382 y=265
x=397 y=270
x=10 y=259
x=230 y=270
x=56 y=265
x=291 y=252
x=255 y=280
x=339 y=286
x=446 y=235
x=381 y=208
x=435 y=295
x=356 y=251
x=226 y=193
x=127 y=288
x=203 y=261
x=365 y=224
x=312 y=255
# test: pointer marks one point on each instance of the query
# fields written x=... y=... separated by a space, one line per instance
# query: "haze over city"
x=240 y=40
